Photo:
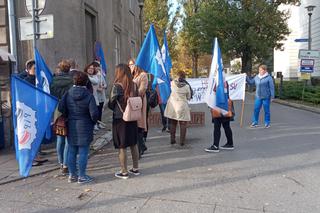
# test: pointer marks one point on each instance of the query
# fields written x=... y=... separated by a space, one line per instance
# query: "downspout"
x=12 y=31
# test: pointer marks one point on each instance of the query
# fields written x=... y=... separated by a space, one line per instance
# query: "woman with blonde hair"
x=141 y=79
x=124 y=133
x=177 y=109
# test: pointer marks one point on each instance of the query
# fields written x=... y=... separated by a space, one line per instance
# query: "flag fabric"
x=150 y=60
x=32 y=110
x=237 y=86
x=99 y=56
x=43 y=74
x=166 y=55
x=43 y=80
x=216 y=96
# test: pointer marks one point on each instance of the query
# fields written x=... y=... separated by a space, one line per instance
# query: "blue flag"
x=43 y=80
x=99 y=56
x=166 y=55
x=150 y=60
x=32 y=110
x=221 y=93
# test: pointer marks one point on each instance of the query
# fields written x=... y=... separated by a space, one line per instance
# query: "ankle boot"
x=173 y=131
x=183 y=132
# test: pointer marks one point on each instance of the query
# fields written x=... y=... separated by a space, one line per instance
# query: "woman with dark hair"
x=177 y=109
x=124 y=133
x=94 y=80
x=141 y=79
x=61 y=83
x=80 y=109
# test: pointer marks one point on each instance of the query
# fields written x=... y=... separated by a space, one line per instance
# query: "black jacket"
x=80 y=108
x=117 y=94
x=61 y=83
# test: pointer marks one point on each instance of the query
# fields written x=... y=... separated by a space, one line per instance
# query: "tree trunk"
x=246 y=62
x=195 y=58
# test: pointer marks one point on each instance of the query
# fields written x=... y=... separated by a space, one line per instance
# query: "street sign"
x=305 y=76
x=45 y=26
x=309 y=54
x=306 y=65
x=301 y=40
x=41 y=5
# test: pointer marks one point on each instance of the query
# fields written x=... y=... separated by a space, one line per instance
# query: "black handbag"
x=152 y=98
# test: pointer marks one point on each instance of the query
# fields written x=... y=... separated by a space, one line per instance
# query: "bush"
x=293 y=90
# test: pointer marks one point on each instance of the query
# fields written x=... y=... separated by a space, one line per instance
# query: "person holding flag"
x=217 y=98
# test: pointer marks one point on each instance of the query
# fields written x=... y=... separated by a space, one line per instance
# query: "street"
x=270 y=170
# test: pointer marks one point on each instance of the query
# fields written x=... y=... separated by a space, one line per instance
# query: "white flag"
x=237 y=86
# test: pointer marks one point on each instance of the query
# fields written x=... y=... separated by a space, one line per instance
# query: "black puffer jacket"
x=79 y=106
x=61 y=83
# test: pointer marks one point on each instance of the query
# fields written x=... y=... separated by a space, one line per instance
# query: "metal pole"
x=141 y=25
x=12 y=29
x=309 y=31
x=34 y=44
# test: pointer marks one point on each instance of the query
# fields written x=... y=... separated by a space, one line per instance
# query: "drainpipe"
x=12 y=31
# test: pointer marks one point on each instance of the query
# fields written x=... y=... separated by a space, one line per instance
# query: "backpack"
x=152 y=98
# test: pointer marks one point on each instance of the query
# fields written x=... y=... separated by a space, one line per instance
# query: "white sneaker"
x=96 y=128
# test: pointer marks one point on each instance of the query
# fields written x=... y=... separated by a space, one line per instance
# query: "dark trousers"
x=164 y=120
x=141 y=142
x=217 y=131
x=100 y=108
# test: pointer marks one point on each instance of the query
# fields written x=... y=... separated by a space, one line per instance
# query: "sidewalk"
x=9 y=170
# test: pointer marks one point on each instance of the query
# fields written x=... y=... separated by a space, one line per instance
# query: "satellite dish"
x=41 y=5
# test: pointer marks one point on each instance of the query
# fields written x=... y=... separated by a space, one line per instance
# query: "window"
x=91 y=33
x=131 y=5
x=116 y=51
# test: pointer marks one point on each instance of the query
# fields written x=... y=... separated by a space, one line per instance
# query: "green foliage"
x=245 y=28
x=293 y=90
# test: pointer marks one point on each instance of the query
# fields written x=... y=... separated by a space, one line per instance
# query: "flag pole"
x=242 y=111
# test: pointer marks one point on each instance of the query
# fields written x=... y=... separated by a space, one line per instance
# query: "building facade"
x=286 y=60
x=78 y=24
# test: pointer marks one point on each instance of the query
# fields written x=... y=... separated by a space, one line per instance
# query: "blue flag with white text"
x=43 y=80
x=32 y=110
x=166 y=55
x=99 y=56
x=150 y=60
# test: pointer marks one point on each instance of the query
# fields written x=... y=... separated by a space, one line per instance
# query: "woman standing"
x=141 y=79
x=101 y=94
x=177 y=109
x=264 y=95
x=79 y=107
x=61 y=83
x=94 y=80
x=124 y=133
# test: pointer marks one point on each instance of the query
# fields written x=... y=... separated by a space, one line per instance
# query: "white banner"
x=200 y=86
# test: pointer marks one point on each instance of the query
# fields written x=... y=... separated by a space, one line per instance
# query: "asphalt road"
x=270 y=170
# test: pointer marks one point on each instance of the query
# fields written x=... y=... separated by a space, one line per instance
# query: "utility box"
x=7 y=64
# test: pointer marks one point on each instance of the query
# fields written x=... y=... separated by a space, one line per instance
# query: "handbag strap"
x=119 y=106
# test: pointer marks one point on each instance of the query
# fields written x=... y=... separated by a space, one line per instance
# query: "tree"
x=245 y=28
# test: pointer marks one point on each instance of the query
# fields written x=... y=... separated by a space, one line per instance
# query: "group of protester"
x=82 y=99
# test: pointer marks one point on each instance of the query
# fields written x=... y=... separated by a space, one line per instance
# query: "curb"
x=298 y=106
x=94 y=151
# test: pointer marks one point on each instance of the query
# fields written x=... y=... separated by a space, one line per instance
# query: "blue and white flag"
x=32 y=110
x=216 y=95
x=150 y=60
x=166 y=55
x=99 y=56
x=43 y=74
x=43 y=80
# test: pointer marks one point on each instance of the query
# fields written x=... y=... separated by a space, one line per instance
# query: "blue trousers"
x=258 y=103
x=62 y=150
x=78 y=154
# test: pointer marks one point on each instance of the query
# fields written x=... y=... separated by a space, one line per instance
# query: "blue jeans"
x=82 y=161
x=266 y=107
x=62 y=150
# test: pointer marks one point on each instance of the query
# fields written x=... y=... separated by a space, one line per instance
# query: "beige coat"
x=177 y=105
x=142 y=82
